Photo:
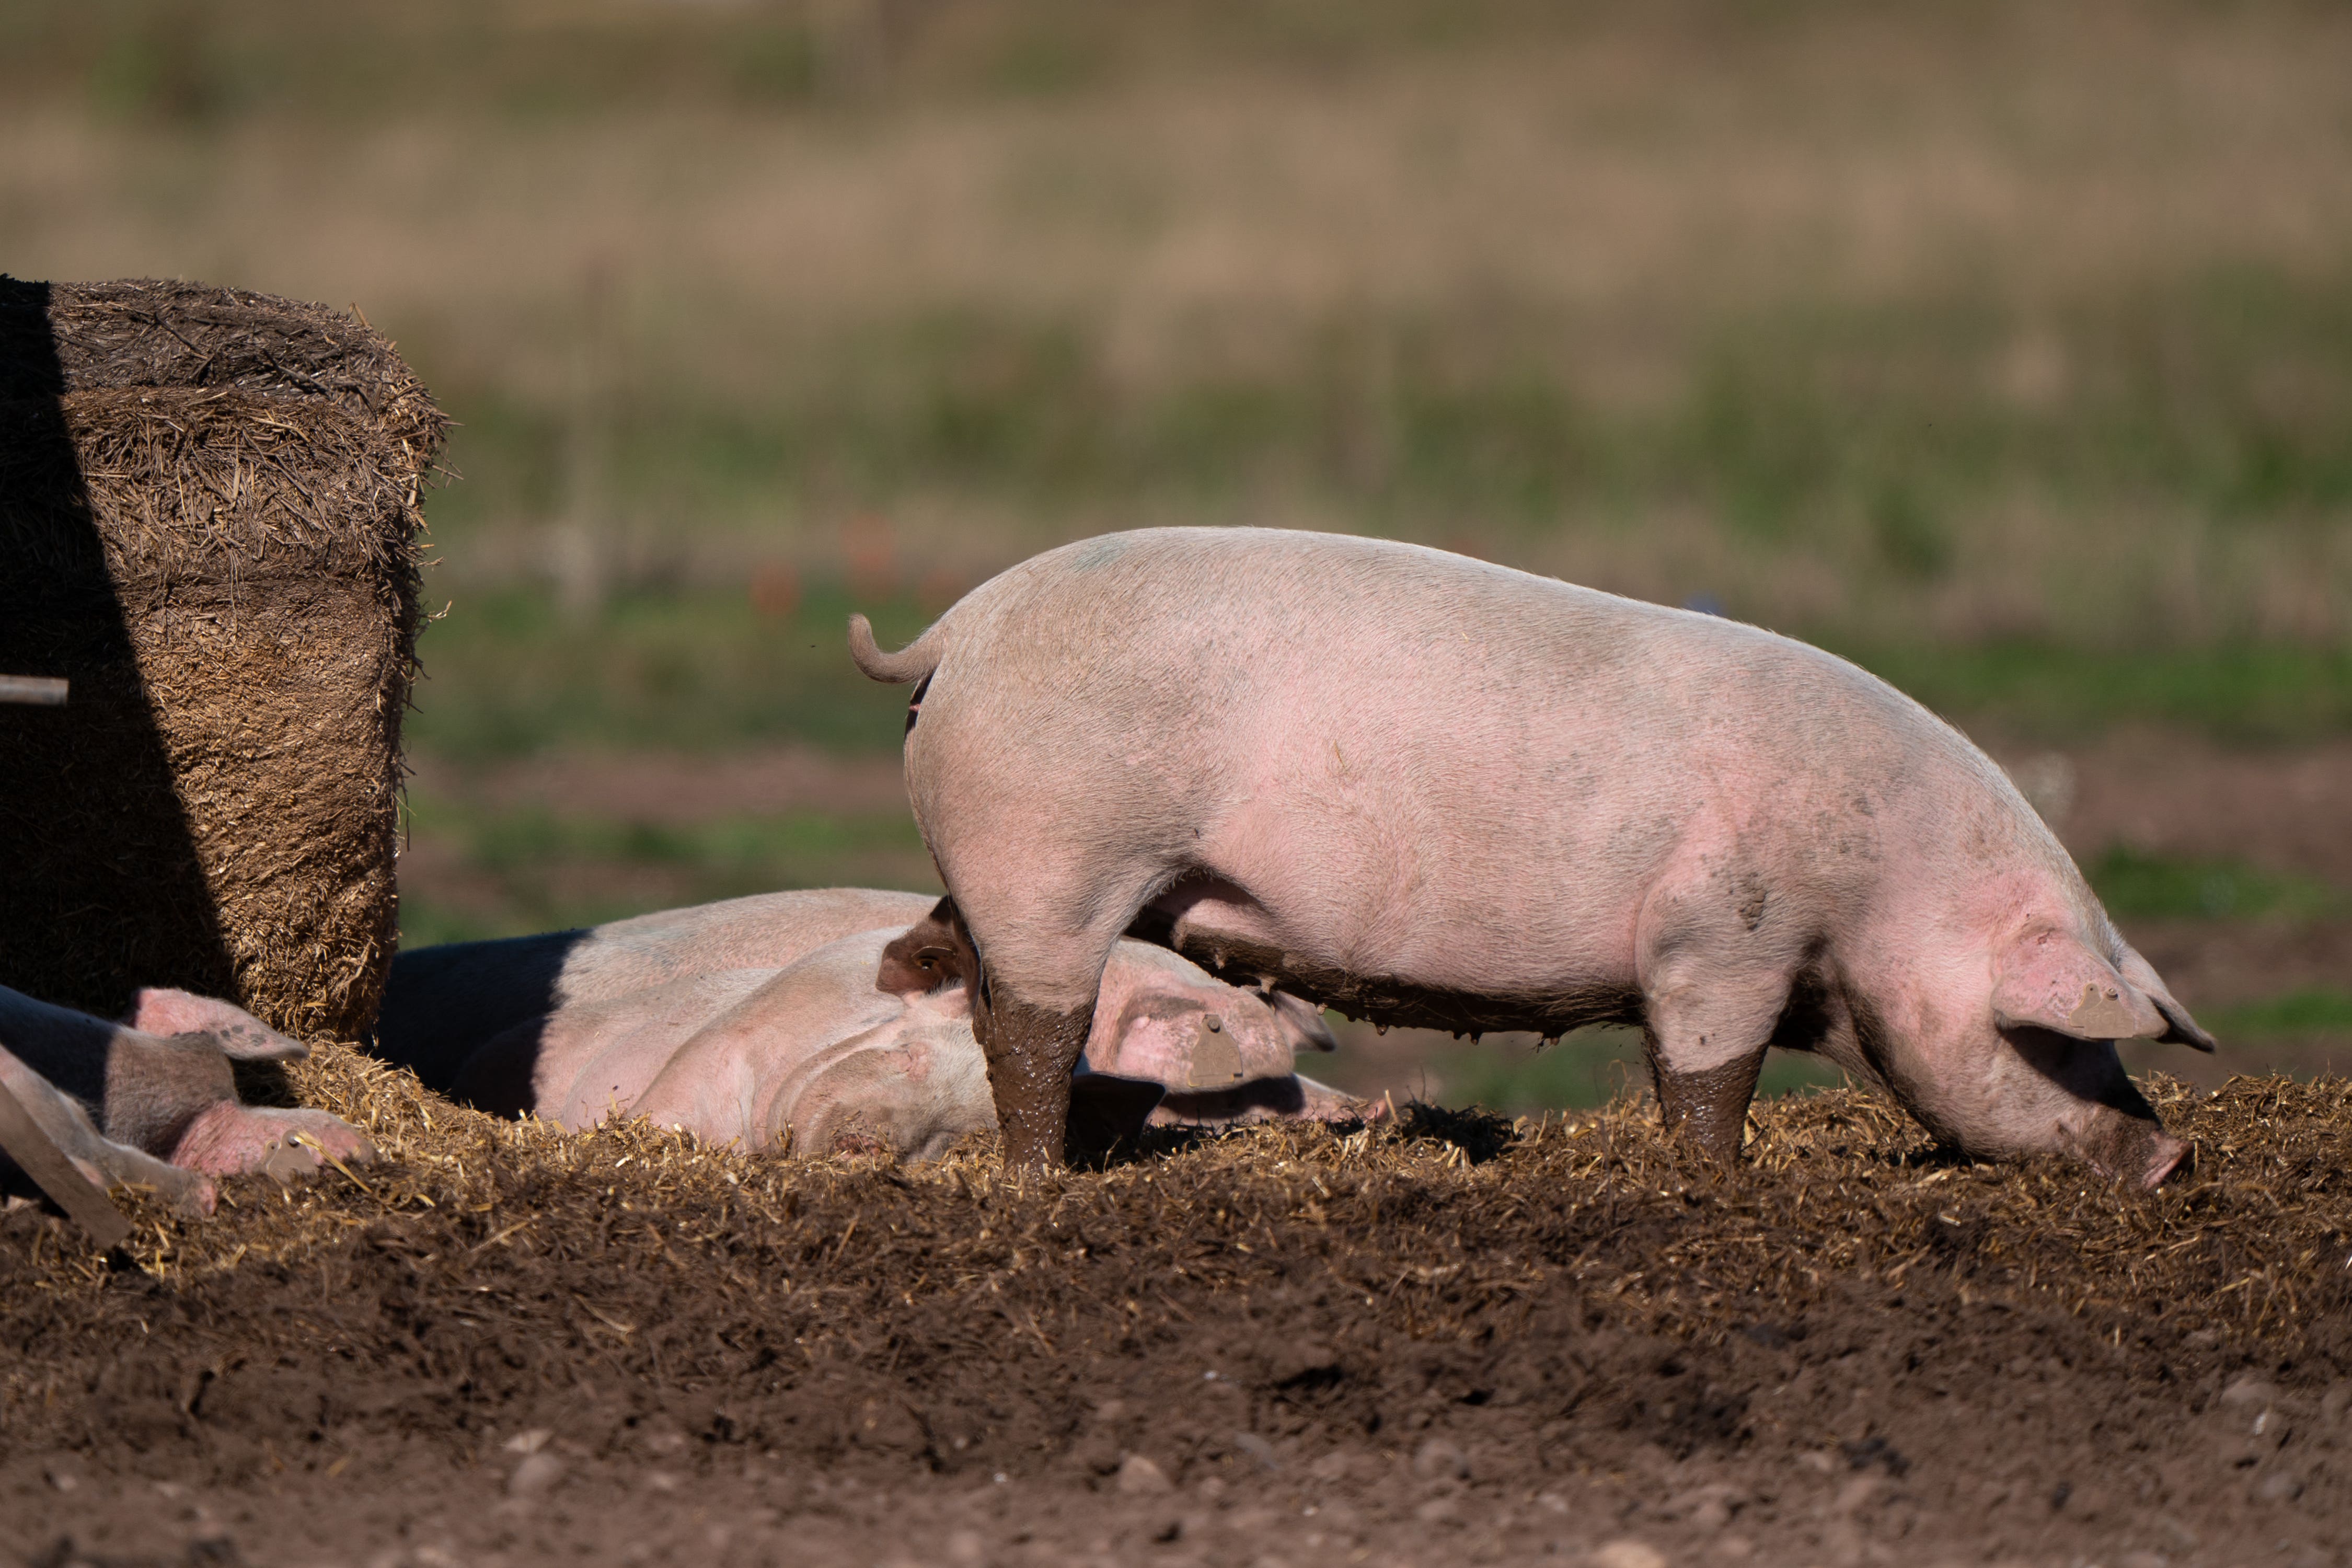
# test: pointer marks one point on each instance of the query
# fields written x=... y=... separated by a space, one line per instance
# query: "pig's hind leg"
x=1034 y=1006
x=1030 y=1051
x=103 y=1160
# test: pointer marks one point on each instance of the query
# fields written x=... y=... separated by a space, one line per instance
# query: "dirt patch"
x=1459 y=1338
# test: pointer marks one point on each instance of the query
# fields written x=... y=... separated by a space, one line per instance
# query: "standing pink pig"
x=1426 y=790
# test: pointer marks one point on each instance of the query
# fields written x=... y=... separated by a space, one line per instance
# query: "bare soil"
x=1455 y=1341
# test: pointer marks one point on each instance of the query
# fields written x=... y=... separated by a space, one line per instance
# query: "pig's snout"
x=2101 y=1117
x=2128 y=1147
x=2165 y=1155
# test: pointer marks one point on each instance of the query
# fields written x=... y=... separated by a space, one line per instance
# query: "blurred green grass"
x=511 y=671
x=2135 y=885
x=2311 y=1013
x=180 y=63
x=1878 y=427
x=506 y=872
x=2042 y=690
x=2173 y=510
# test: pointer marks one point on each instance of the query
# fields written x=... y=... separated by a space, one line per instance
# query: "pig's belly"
x=1423 y=972
x=1429 y=893
x=1484 y=866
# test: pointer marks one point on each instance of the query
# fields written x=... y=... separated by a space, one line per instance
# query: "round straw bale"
x=209 y=506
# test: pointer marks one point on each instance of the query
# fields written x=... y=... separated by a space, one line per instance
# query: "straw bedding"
x=1592 y=1330
x=209 y=505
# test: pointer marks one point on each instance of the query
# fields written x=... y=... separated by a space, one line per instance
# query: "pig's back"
x=765 y=931
x=1214 y=646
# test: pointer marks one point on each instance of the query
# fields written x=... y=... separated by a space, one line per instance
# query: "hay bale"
x=209 y=510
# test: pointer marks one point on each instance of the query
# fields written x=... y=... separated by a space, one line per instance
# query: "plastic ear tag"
x=1216 y=1060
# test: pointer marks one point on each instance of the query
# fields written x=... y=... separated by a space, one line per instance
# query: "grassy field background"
x=2004 y=349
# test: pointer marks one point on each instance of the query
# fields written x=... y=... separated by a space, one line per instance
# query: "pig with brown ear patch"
x=1423 y=789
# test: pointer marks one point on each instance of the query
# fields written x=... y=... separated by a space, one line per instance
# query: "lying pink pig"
x=862 y=1042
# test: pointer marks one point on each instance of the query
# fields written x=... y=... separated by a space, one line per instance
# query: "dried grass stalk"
x=1449 y=1223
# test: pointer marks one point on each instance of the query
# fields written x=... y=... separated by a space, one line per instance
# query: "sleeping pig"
x=443 y=1004
x=863 y=1044
x=1426 y=790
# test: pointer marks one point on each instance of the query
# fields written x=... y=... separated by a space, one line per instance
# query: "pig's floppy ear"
x=241 y=1037
x=1301 y=1022
x=928 y=955
x=2049 y=980
x=2183 y=1029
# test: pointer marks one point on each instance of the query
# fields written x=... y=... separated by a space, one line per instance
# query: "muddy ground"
x=1455 y=1340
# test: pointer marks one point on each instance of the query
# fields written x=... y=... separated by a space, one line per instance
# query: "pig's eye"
x=1215 y=1022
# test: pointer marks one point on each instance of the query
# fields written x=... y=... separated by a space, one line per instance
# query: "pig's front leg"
x=1031 y=1053
x=1706 y=1034
x=1708 y=1106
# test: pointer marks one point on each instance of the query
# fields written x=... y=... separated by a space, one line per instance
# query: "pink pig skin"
x=443 y=1004
x=107 y=1161
x=1428 y=789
